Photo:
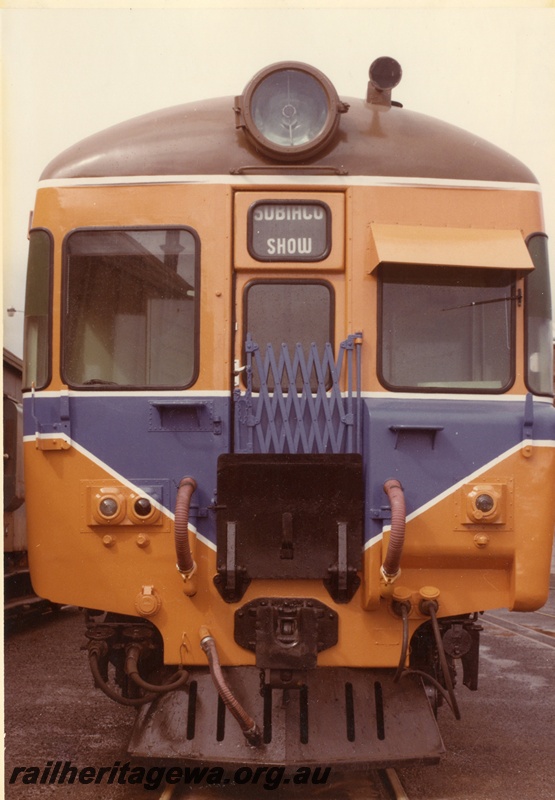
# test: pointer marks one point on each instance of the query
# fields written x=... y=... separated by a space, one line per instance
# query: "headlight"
x=289 y=111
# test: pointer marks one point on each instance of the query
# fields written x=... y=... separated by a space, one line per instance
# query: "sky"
x=69 y=72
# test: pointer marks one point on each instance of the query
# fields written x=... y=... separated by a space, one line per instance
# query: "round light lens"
x=142 y=507
x=484 y=503
x=108 y=507
x=290 y=110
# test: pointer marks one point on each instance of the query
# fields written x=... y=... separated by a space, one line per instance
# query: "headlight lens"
x=290 y=111
x=289 y=108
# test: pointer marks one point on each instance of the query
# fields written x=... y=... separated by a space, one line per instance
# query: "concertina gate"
x=293 y=402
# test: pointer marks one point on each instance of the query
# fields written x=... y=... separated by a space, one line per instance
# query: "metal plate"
x=349 y=716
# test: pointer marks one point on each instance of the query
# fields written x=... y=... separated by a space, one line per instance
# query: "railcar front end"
x=301 y=347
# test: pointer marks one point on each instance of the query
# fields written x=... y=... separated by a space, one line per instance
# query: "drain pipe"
x=186 y=565
x=390 y=569
x=248 y=725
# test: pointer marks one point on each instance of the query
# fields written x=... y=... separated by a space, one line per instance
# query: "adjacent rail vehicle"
x=288 y=416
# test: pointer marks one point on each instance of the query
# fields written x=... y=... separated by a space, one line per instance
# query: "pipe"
x=132 y=669
x=390 y=569
x=246 y=722
x=185 y=563
x=430 y=607
x=94 y=653
x=404 y=609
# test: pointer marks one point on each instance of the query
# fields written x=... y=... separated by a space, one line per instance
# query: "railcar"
x=288 y=416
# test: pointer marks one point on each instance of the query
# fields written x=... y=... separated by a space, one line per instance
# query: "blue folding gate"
x=293 y=402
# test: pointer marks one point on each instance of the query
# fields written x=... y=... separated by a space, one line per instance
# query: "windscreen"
x=130 y=316
x=446 y=328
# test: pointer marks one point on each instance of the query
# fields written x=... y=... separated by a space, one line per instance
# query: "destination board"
x=289 y=231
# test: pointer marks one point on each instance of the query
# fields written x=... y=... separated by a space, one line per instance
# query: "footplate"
x=339 y=716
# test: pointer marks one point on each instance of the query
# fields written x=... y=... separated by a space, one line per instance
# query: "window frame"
x=541 y=270
x=27 y=386
x=108 y=387
x=281 y=281
x=514 y=297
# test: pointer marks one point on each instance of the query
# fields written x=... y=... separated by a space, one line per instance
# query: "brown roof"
x=201 y=139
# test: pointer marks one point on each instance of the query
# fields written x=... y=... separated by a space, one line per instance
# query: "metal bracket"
x=528 y=421
x=54 y=435
x=342 y=581
x=232 y=580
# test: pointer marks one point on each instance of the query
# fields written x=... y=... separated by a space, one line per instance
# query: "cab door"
x=290 y=494
x=293 y=356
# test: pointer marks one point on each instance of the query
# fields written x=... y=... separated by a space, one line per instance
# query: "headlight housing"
x=289 y=111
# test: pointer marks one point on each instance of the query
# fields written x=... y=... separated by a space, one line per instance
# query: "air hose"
x=404 y=609
x=185 y=563
x=430 y=607
x=132 y=669
x=97 y=649
x=248 y=725
x=390 y=569
x=100 y=649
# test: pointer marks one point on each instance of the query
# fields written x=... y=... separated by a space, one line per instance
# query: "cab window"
x=131 y=308
x=37 y=335
x=446 y=329
x=291 y=313
x=539 y=354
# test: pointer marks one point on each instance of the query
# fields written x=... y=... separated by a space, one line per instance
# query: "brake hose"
x=430 y=607
x=390 y=568
x=185 y=562
x=108 y=691
x=248 y=725
x=132 y=669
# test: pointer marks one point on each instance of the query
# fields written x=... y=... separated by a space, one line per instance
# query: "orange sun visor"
x=450 y=247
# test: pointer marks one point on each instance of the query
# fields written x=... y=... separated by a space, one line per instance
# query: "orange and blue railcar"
x=289 y=423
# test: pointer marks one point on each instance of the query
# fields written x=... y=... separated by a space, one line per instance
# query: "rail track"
x=540 y=629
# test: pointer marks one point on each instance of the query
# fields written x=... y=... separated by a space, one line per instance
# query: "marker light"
x=484 y=503
x=142 y=507
x=142 y=511
x=289 y=111
x=108 y=507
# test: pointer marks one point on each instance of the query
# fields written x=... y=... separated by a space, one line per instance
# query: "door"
x=295 y=389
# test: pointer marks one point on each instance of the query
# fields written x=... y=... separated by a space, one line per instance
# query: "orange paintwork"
x=199 y=207
x=71 y=564
x=70 y=561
